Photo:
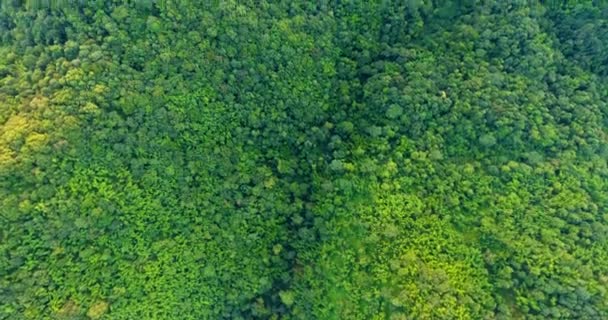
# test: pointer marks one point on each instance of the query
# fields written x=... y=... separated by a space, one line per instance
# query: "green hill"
x=303 y=160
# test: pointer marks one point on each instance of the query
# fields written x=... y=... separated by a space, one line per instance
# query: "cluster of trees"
x=303 y=160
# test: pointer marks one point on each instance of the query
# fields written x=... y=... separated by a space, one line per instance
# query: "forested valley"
x=419 y=159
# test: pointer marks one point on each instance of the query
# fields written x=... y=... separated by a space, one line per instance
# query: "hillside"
x=303 y=160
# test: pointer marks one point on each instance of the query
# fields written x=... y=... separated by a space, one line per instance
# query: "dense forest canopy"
x=303 y=159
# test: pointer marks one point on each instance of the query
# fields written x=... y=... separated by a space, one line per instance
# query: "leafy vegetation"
x=303 y=160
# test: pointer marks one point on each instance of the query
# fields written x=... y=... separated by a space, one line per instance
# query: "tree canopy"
x=303 y=160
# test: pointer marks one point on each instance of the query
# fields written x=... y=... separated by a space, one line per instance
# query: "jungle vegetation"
x=303 y=159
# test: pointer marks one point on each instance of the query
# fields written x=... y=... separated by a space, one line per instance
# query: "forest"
x=414 y=159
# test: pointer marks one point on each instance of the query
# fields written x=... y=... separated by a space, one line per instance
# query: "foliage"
x=303 y=160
